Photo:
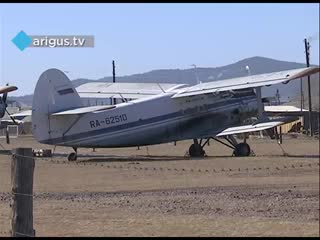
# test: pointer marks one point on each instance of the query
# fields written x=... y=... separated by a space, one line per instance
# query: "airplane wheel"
x=196 y=151
x=242 y=150
x=72 y=157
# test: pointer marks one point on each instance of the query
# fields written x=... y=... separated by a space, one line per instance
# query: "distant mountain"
x=257 y=65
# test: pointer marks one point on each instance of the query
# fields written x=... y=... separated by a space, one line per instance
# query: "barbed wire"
x=22 y=194
x=214 y=170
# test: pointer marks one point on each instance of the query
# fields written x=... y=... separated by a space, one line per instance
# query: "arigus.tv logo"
x=22 y=40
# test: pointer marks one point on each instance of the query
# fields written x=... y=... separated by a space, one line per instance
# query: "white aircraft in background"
x=3 y=100
x=203 y=111
x=3 y=108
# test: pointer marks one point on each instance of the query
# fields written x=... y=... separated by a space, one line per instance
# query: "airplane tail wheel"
x=242 y=150
x=72 y=157
x=196 y=150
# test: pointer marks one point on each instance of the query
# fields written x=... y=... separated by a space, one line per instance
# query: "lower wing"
x=259 y=126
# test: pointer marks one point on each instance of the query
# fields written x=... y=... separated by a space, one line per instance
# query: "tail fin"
x=54 y=92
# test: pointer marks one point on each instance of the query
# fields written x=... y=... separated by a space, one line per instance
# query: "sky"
x=141 y=37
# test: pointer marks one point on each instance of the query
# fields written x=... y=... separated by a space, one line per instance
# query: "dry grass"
x=158 y=192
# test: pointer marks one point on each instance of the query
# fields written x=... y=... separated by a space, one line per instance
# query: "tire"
x=72 y=157
x=242 y=150
x=196 y=151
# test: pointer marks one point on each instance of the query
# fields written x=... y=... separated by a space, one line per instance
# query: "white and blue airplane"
x=199 y=112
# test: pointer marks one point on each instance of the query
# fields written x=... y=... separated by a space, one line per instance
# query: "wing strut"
x=260 y=104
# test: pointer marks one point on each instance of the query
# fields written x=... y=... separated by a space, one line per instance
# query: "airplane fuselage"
x=155 y=120
x=200 y=111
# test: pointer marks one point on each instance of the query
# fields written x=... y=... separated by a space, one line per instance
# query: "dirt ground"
x=158 y=191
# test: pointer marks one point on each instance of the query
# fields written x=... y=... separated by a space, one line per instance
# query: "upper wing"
x=247 y=82
x=7 y=89
x=21 y=115
x=124 y=90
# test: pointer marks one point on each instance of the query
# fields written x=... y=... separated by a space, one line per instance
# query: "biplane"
x=156 y=113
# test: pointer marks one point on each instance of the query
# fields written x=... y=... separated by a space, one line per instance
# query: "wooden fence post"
x=22 y=167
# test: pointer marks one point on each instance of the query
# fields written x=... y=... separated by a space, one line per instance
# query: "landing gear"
x=239 y=149
x=73 y=156
x=242 y=150
x=196 y=150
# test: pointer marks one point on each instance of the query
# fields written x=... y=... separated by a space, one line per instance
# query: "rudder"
x=54 y=92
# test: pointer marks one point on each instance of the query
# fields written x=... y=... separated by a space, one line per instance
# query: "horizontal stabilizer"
x=82 y=110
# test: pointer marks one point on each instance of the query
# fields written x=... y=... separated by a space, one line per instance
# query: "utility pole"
x=113 y=78
x=307 y=48
x=278 y=97
x=301 y=96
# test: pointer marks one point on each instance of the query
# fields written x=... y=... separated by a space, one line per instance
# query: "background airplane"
x=200 y=112
x=3 y=109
